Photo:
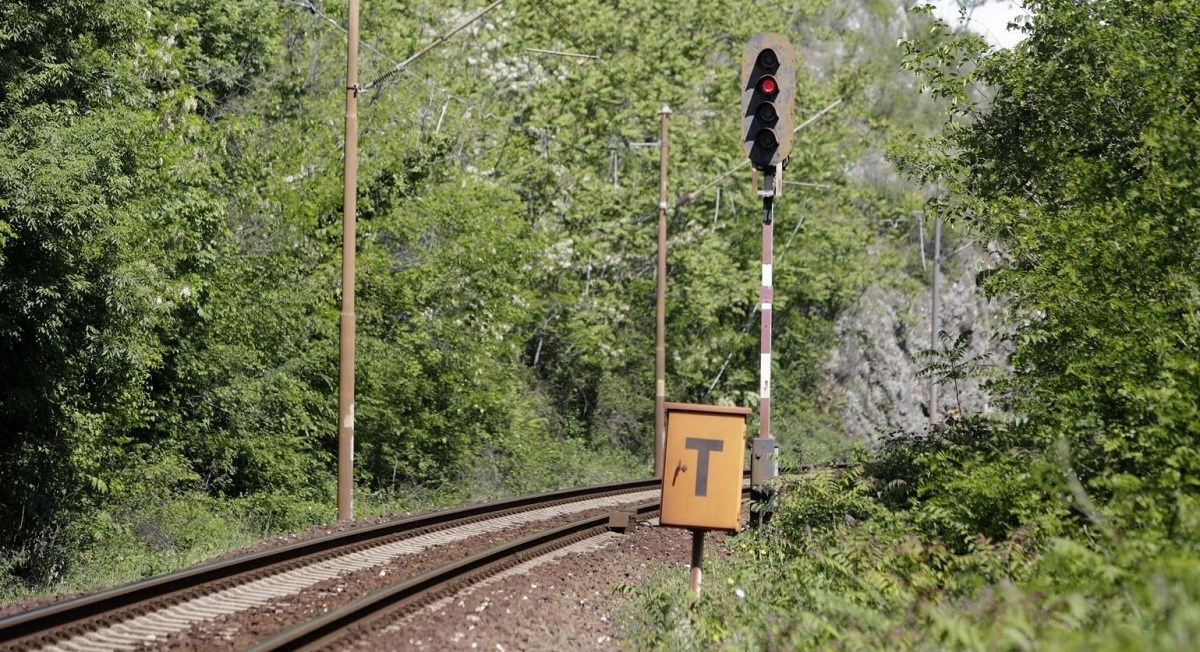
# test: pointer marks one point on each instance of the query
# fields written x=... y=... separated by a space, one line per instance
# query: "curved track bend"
x=153 y=610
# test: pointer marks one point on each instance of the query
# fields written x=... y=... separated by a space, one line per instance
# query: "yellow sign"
x=702 y=469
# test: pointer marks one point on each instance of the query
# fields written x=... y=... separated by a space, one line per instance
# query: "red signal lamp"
x=768 y=85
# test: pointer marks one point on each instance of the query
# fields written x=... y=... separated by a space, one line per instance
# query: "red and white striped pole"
x=764 y=460
x=766 y=294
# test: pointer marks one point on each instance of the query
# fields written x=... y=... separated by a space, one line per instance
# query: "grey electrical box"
x=764 y=460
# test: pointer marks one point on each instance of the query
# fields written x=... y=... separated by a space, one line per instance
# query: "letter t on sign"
x=703 y=448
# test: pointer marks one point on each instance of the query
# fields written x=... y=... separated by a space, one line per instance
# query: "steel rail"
x=135 y=594
x=323 y=631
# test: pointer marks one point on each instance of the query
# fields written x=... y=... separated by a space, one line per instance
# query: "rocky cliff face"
x=874 y=371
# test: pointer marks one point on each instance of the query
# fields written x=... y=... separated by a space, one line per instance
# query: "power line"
x=692 y=196
x=563 y=54
x=436 y=42
x=400 y=67
x=308 y=6
x=563 y=27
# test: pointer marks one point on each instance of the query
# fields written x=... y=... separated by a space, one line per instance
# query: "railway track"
x=150 y=612
x=358 y=620
x=337 y=629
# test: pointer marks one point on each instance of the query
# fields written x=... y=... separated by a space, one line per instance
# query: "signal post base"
x=764 y=468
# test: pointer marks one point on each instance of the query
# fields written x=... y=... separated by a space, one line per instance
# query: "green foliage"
x=1080 y=166
x=893 y=556
x=135 y=540
x=73 y=53
x=444 y=297
x=953 y=363
x=74 y=310
x=539 y=463
x=973 y=477
x=170 y=254
x=1070 y=526
x=101 y=268
x=226 y=46
x=835 y=568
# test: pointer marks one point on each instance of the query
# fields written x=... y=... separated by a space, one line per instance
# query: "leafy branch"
x=954 y=362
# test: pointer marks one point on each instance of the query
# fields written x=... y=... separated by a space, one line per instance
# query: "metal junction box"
x=702 y=468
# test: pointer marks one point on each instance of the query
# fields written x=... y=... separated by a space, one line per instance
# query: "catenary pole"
x=345 y=481
x=934 y=321
x=345 y=476
x=660 y=346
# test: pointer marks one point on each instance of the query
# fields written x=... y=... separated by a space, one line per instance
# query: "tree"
x=106 y=227
x=1081 y=166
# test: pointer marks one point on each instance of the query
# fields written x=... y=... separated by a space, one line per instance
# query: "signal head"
x=768 y=95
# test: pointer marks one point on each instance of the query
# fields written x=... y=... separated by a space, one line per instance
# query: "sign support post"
x=697 y=560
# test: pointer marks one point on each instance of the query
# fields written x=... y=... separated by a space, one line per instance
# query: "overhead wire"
x=564 y=28
x=687 y=198
x=509 y=123
x=680 y=201
x=399 y=67
x=307 y=5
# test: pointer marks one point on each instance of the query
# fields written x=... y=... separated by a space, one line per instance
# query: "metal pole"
x=763 y=453
x=766 y=295
x=345 y=480
x=934 y=325
x=921 y=235
x=660 y=334
x=697 y=560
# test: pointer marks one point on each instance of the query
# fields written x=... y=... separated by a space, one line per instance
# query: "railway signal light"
x=768 y=96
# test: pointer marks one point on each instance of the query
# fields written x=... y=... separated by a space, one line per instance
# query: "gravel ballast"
x=567 y=603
